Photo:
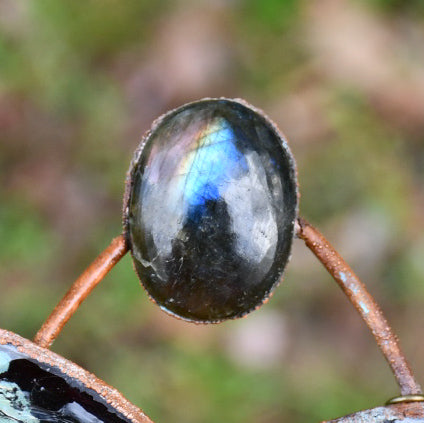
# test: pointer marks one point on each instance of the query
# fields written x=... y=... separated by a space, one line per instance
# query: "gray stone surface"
x=211 y=210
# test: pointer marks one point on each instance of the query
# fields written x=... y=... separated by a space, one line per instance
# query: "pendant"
x=210 y=212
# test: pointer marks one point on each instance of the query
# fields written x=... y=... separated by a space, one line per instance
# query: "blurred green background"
x=79 y=84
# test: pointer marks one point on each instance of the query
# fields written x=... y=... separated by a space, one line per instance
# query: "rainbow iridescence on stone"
x=210 y=210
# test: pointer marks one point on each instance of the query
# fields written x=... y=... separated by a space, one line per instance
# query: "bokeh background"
x=344 y=80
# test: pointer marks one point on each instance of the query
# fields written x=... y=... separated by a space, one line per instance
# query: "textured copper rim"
x=42 y=355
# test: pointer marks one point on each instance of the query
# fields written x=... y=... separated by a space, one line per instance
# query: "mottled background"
x=81 y=81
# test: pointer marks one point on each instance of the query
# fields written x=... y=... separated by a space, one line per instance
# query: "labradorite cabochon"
x=209 y=210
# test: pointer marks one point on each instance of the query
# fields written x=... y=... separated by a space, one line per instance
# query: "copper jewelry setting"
x=210 y=212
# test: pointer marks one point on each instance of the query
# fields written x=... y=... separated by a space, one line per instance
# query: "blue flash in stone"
x=213 y=162
x=210 y=210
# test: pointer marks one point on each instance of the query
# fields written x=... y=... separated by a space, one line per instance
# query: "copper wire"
x=79 y=291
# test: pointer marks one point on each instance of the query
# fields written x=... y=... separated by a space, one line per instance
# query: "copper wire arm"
x=80 y=290
x=364 y=303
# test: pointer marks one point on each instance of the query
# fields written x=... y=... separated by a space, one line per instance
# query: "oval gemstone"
x=210 y=209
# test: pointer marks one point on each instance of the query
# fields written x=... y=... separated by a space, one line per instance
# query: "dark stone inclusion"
x=33 y=392
x=210 y=210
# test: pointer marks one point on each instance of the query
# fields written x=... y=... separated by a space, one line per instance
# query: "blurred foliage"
x=351 y=154
x=28 y=241
x=270 y=16
x=81 y=81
